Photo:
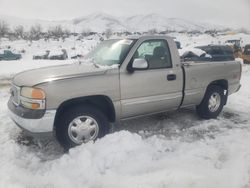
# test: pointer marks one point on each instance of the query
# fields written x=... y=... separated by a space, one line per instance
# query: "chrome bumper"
x=36 y=126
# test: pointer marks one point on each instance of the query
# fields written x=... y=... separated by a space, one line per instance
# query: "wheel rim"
x=83 y=129
x=214 y=102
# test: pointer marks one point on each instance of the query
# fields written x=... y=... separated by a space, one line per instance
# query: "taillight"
x=240 y=71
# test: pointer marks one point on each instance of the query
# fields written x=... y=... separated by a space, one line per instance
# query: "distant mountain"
x=99 y=22
x=161 y=23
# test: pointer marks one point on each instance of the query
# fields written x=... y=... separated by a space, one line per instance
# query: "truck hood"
x=47 y=74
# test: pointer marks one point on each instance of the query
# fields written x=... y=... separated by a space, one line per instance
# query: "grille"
x=15 y=94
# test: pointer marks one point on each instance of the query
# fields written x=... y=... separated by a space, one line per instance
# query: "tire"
x=73 y=127
x=212 y=103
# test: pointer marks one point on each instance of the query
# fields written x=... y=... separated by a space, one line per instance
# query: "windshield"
x=110 y=52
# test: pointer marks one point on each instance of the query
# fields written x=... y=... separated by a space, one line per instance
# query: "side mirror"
x=140 y=64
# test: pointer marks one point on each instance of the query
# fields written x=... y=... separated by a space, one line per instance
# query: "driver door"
x=156 y=89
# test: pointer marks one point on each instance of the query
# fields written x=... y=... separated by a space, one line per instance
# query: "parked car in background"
x=7 y=55
x=42 y=55
x=58 y=55
x=218 y=52
x=246 y=54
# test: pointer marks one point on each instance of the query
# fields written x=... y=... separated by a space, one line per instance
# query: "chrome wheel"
x=83 y=129
x=214 y=102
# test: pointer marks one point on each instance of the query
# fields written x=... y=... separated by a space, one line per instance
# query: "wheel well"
x=101 y=102
x=221 y=83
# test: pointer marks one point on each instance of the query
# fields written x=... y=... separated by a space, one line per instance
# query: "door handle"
x=171 y=77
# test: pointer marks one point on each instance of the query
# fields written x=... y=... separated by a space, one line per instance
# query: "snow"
x=174 y=149
x=195 y=51
x=9 y=68
x=204 y=39
x=40 y=53
x=55 y=52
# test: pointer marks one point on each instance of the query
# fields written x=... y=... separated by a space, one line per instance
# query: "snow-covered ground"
x=173 y=150
x=29 y=49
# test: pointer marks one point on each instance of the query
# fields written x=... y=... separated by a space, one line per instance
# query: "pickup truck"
x=8 y=55
x=120 y=79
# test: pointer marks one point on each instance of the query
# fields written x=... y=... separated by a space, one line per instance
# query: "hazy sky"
x=227 y=12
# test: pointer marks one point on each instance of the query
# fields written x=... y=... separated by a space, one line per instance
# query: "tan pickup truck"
x=120 y=79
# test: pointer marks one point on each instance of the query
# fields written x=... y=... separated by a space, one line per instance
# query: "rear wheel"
x=81 y=124
x=212 y=103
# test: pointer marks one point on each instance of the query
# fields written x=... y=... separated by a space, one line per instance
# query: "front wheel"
x=81 y=124
x=212 y=103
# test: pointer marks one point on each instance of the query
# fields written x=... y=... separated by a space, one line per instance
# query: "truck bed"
x=198 y=75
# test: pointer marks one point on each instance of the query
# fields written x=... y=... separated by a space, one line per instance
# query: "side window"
x=216 y=51
x=156 y=53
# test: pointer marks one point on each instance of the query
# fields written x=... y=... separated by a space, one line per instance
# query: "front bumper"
x=42 y=127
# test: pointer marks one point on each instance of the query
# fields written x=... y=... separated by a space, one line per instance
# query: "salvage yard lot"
x=174 y=149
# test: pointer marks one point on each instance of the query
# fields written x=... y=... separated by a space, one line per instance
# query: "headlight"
x=32 y=98
x=32 y=93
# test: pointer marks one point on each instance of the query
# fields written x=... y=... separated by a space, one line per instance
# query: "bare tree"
x=19 y=31
x=152 y=32
x=56 y=32
x=66 y=32
x=35 y=32
x=86 y=32
x=108 y=33
x=244 y=30
x=4 y=28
